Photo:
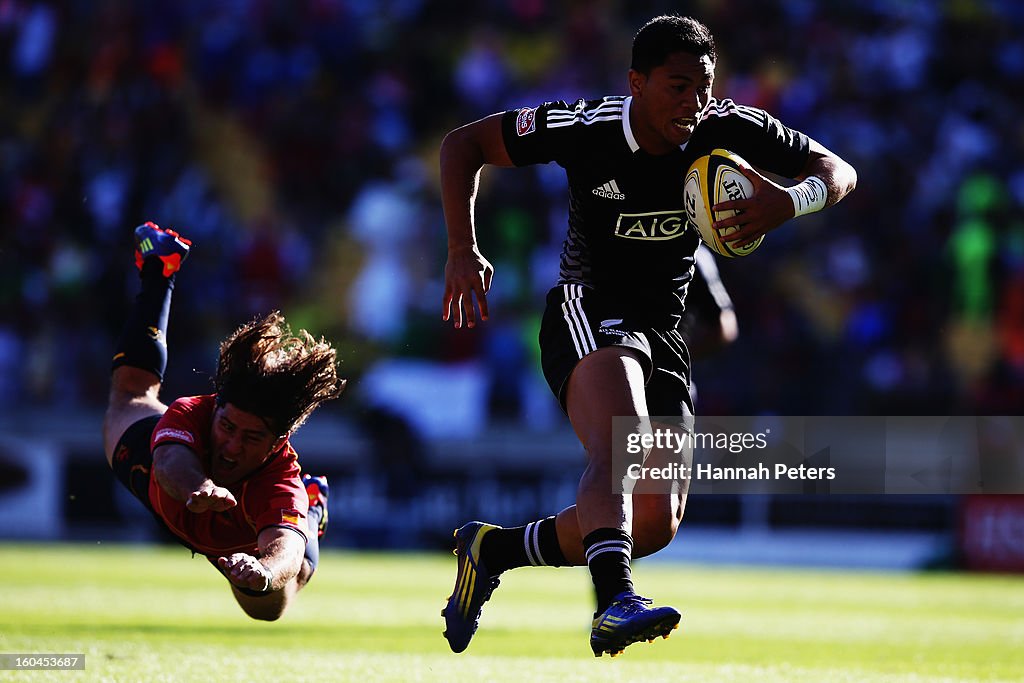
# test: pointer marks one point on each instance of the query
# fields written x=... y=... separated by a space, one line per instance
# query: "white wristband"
x=808 y=196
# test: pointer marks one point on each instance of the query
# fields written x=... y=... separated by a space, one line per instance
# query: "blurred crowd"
x=296 y=144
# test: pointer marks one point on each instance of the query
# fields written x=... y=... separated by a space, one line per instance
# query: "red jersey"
x=271 y=496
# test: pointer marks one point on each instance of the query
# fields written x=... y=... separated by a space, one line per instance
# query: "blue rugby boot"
x=167 y=245
x=629 y=620
x=473 y=586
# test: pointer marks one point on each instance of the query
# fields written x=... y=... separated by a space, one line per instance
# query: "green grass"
x=154 y=614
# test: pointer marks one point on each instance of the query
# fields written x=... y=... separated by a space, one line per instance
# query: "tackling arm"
x=281 y=552
x=279 y=561
x=178 y=471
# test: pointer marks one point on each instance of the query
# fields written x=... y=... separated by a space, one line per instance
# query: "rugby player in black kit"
x=609 y=343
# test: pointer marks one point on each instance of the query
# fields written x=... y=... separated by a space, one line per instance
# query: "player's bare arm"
x=467 y=274
x=839 y=176
x=772 y=205
x=279 y=561
x=178 y=471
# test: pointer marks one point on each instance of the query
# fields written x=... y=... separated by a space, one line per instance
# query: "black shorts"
x=578 y=321
x=133 y=460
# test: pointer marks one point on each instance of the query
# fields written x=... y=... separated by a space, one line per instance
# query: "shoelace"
x=635 y=603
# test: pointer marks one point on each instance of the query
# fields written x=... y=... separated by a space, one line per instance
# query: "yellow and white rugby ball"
x=715 y=178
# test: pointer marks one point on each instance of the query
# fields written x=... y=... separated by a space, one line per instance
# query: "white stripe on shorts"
x=579 y=328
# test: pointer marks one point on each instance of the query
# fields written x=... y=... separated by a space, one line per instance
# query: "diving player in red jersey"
x=609 y=343
x=217 y=470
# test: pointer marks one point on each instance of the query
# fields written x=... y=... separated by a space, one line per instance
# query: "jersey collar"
x=626 y=130
x=634 y=146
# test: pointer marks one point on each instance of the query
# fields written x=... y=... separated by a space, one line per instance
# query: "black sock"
x=608 y=554
x=534 y=544
x=312 y=553
x=143 y=341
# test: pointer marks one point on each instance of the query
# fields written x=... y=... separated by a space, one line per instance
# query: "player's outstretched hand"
x=210 y=498
x=466 y=274
x=246 y=571
x=769 y=208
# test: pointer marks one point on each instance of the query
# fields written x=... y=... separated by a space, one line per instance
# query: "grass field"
x=155 y=614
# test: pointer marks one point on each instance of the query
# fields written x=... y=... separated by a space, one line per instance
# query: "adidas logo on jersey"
x=609 y=190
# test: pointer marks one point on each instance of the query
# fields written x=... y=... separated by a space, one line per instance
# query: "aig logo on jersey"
x=657 y=225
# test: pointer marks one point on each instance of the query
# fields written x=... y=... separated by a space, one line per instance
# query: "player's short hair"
x=666 y=35
x=266 y=370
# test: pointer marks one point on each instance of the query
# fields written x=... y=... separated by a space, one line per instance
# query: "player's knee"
x=133 y=382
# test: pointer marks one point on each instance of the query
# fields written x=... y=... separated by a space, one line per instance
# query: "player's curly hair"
x=668 y=34
x=282 y=377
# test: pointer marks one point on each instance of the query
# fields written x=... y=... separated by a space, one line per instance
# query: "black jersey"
x=628 y=237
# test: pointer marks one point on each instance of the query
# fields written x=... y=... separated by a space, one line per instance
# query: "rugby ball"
x=715 y=178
